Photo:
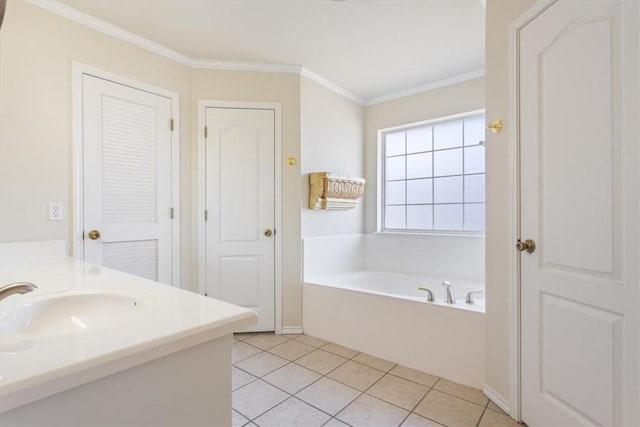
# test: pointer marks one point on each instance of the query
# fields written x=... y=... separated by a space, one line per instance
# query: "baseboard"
x=290 y=330
x=496 y=398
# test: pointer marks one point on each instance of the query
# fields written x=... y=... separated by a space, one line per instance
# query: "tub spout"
x=449 y=295
x=16 y=288
x=429 y=293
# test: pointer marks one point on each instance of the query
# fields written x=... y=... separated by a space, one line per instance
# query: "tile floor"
x=299 y=380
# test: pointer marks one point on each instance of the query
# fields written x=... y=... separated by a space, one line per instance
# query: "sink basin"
x=70 y=313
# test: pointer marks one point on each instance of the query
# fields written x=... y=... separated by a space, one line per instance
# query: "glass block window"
x=433 y=176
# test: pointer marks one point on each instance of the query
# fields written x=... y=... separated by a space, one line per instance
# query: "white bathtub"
x=384 y=314
x=403 y=285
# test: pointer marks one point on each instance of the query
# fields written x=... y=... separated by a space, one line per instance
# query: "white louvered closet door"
x=127 y=178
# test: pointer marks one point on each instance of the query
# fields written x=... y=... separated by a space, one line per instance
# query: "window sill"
x=431 y=233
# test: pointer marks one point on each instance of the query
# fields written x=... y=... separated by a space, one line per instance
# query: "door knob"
x=94 y=234
x=528 y=245
x=268 y=232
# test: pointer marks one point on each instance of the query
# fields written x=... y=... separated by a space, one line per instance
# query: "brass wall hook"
x=496 y=126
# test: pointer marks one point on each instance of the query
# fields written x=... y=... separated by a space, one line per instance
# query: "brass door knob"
x=528 y=245
x=268 y=232
x=94 y=234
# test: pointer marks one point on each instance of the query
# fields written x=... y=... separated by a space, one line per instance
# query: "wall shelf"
x=334 y=192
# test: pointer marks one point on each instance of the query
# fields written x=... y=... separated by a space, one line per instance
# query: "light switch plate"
x=55 y=211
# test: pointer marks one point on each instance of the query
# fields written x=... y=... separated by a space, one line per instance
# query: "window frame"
x=380 y=172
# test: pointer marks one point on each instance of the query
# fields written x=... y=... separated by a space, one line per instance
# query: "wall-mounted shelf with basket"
x=335 y=192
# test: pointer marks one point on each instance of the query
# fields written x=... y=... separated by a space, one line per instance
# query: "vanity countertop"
x=164 y=320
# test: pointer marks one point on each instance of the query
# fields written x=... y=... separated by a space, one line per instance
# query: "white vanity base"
x=190 y=387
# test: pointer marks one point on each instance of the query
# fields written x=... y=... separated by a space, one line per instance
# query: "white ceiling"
x=371 y=48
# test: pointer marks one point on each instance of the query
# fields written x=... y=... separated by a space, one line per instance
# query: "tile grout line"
x=327 y=376
x=347 y=359
x=462 y=398
x=289 y=394
x=420 y=401
x=481 y=416
x=368 y=388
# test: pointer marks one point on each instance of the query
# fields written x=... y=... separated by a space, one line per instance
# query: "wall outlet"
x=55 y=211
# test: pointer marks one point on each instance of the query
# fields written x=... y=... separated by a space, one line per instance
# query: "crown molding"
x=330 y=85
x=92 y=22
x=263 y=67
x=58 y=8
x=426 y=87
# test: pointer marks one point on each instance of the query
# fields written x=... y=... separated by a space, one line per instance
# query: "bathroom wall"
x=444 y=101
x=332 y=141
x=500 y=14
x=264 y=87
x=36 y=50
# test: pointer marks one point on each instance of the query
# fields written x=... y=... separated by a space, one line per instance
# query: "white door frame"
x=276 y=107
x=514 y=405
x=79 y=69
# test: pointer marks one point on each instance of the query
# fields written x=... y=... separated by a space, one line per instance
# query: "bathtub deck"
x=299 y=380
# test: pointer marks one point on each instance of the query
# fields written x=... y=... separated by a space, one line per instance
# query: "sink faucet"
x=450 y=297
x=16 y=288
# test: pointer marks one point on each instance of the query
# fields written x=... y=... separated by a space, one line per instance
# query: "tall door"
x=578 y=76
x=127 y=179
x=240 y=210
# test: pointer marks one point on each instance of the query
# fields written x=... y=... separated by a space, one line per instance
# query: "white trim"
x=433 y=121
x=305 y=72
x=213 y=64
x=495 y=397
x=61 y=9
x=77 y=71
x=426 y=87
x=94 y=23
x=292 y=330
x=277 y=109
x=513 y=234
x=76 y=130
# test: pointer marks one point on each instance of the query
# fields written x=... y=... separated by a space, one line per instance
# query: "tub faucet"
x=429 y=293
x=469 y=299
x=16 y=288
x=449 y=295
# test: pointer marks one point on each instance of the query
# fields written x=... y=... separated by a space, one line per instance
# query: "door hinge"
x=82 y=234
x=206 y=295
x=206 y=215
x=171 y=125
x=171 y=213
x=206 y=131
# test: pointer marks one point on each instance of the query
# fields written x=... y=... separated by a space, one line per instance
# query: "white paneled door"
x=239 y=227
x=127 y=179
x=578 y=101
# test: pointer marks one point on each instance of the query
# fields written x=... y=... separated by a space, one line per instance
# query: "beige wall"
x=444 y=101
x=36 y=50
x=499 y=15
x=332 y=141
x=36 y=155
x=265 y=87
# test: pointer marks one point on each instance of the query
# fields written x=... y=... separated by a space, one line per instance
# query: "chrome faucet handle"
x=449 y=294
x=469 y=299
x=429 y=293
x=16 y=288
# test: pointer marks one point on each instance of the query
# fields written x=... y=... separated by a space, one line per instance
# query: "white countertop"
x=34 y=367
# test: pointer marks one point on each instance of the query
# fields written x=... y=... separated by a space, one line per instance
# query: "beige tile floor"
x=300 y=380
